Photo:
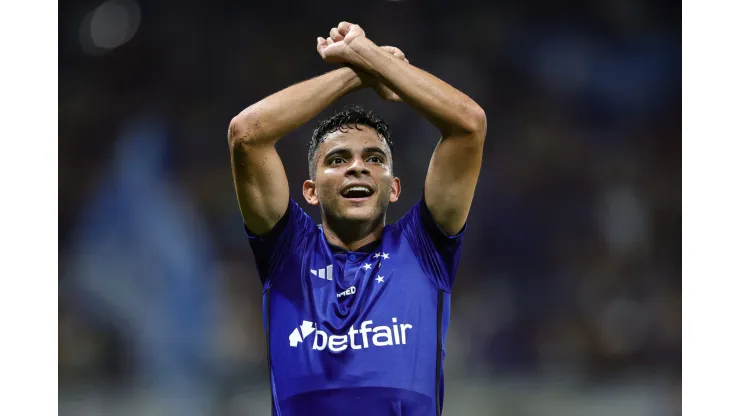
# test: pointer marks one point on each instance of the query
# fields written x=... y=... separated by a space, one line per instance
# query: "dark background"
x=568 y=296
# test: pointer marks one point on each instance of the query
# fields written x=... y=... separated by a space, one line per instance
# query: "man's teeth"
x=357 y=189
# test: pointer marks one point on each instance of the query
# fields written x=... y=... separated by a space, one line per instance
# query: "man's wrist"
x=351 y=77
x=359 y=48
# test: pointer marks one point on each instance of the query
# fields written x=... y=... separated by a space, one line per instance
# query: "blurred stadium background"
x=568 y=297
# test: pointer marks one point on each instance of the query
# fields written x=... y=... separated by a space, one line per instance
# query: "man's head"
x=351 y=166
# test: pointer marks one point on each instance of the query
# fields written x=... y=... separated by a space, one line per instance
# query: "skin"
x=455 y=166
x=259 y=177
x=354 y=156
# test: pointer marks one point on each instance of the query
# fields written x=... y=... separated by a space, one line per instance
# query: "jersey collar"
x=367 y=248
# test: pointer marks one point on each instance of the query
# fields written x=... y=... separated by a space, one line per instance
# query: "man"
x=356 y=311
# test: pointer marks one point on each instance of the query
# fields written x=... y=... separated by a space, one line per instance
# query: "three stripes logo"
x=324 y=273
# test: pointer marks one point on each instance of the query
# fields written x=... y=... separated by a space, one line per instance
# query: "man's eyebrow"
x=344 y=151
x=337 y=151
x=374 y=150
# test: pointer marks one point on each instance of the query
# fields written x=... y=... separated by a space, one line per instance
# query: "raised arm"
x=259 y=176
x=455 y=166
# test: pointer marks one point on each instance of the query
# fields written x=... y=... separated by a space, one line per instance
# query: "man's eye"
x=335 y=161
x=375 y=159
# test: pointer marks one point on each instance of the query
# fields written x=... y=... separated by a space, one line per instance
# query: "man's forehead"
x=353 y=139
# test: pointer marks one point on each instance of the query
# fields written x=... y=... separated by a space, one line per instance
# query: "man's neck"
x=354 y=235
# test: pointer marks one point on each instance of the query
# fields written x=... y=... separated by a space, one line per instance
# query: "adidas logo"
x=325 y=273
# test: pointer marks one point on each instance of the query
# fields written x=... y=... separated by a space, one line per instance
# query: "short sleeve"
x=438 y=253
x=283 y=239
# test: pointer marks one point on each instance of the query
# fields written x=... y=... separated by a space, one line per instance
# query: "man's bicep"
x=452 y=178
x=261 y=185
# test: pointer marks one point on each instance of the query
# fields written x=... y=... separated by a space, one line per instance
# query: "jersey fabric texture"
x=357 y=332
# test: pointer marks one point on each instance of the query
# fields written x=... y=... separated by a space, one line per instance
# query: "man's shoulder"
x=301 y=223
x=418 y=220
x=293 y=227
x=409 y=217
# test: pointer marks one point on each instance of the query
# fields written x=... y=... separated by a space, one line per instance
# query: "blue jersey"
x=359 y=332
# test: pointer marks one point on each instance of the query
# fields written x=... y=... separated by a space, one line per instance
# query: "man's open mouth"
x=357 y=192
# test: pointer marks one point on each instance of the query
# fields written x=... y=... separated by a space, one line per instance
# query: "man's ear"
x=395 y=189
x=309 y=192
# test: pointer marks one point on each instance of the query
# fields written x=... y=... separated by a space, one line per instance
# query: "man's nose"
x=357 y=167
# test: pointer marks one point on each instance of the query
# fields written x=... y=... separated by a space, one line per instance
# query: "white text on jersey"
x=350 y=291
x=379 y=336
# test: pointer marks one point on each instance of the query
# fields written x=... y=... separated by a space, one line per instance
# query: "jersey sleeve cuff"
x=432 y=227
x=275 y=231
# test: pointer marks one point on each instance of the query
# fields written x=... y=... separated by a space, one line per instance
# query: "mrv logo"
x=356 y=339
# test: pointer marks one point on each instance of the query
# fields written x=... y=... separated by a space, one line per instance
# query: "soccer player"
x=356 y=310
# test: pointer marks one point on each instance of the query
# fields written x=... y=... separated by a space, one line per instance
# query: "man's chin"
x=359 y=212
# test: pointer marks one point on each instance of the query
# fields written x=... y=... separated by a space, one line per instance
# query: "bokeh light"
x=109 y=26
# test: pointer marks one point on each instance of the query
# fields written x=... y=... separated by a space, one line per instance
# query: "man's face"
x=354 y=179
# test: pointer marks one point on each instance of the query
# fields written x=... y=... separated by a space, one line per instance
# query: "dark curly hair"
x=351 y=117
